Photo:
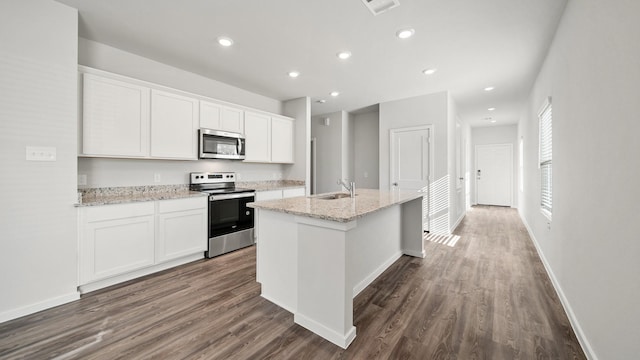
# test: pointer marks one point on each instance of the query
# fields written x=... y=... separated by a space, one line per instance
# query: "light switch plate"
x=41 y=153
x=82 y=179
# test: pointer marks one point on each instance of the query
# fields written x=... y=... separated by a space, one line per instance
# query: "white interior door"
x=410 y=163
x=494 y=174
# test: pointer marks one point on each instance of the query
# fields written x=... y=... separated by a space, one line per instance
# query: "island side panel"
x=374 y=245
x=412 y=233
x=277 y=252
x=325 y=303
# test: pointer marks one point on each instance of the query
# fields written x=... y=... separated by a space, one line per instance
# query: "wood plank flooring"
x=487 y=297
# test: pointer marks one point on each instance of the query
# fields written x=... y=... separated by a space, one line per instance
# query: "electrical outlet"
x=157 y=178
x=40 y=153
x=82 y=179
x=366 y=174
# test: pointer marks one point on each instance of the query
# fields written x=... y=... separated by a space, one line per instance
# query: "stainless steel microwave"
x=216 y=144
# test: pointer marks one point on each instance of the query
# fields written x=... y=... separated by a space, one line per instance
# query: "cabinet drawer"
x=111 y=212
x=196 y=203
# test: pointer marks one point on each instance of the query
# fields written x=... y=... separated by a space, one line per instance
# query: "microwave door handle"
x=239 y=146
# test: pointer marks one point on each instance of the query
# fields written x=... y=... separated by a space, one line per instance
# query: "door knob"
x=395 y=184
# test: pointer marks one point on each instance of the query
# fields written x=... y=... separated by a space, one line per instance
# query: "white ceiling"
x=472 y=43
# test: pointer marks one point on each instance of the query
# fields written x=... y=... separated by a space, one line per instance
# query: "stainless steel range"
x=230 y=220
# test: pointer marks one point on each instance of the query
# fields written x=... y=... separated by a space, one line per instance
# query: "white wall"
x=507 y=134
x=300 y=109
x=134 y=172
x=433 y=109
x=329 y=153
x=366 y=150
x=38 y=105
x=592 y=248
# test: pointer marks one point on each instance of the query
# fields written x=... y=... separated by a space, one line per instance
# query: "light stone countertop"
x=131 y=194
x=341 y=210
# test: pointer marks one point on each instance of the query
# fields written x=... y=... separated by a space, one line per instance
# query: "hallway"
x=485 y=297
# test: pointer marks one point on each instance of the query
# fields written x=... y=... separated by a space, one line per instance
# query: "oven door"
x=229 y=213
x=221 y=145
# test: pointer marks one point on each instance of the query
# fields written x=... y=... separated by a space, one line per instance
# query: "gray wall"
x=366 y=150
x=592 y=248
x=329 y=152
x=490 y=135
x=300 y=109
x=38 y=105
x=436 y=110
x=134 y=172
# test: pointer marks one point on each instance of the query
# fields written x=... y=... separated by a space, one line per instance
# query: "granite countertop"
x=270 y=184
x=341 y=210
x=130 y=194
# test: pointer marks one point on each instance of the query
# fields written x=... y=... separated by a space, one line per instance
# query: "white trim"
x=39 y=306
x=575 y=324
x=475 y=169
x=431 y=163
x=375 y=273
x=278 y=303
x=455 y=225
x=92 y=286
x=339 y=339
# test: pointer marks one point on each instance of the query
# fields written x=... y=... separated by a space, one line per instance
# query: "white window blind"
x=546 y=157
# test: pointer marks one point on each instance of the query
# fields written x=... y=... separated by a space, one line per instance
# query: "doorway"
x=494 y=174
x=411 y=163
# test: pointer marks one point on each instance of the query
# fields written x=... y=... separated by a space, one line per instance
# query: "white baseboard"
x=455 y=225
x=375 y=273
x=342 y=340
x=100 y=284
x=43 y=305
x=582 y=339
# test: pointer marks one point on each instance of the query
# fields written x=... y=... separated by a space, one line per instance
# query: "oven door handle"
x=231 y=196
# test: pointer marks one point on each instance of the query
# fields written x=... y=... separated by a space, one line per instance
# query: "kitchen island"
x=315 y=254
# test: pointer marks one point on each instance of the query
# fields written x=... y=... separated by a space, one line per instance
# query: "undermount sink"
x=333 y=196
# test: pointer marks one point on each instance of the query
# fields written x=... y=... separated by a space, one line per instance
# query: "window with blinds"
x=546 y=157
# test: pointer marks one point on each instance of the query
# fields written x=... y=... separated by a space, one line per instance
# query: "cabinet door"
x=281 y=140
x=116 y=239
x=115 y=118
x=174 y=126
x=232 y=120
x=182 y=228
x=257 y=131
x=210 y=115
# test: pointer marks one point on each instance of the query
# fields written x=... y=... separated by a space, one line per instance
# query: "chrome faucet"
x=351 y=187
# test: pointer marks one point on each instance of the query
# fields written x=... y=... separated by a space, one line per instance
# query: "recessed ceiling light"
x=321 y=101
x=405 y=33
x=429 y=71
x=225 y=41
x=493 y=121
x=294 y=74
x=334 y=93
x=489 y=88
x=343 y=55
x=491 y=109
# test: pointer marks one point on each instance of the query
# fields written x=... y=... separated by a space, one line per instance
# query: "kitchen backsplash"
x=106 y=172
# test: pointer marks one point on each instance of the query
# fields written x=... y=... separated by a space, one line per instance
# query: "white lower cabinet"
x=125 y=241
x=116 y=239
x=182 y=227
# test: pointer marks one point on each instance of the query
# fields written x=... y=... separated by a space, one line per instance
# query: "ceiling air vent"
x=379 y=6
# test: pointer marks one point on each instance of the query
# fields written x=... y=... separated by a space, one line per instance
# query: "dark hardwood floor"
x=487 y=297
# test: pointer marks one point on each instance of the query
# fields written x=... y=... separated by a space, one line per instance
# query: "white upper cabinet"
x=221 y=117
x=281 y=140
x=269 y=139
x=115 y=118
x=174 y=126
x=257 y=132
